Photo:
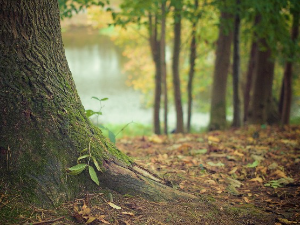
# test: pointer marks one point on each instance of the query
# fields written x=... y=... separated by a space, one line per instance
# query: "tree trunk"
x=249 y=78
x=193 y=55
x=163 y=63
x=175 y=67
x=155 y=50
x=218 y=94
x=261 y=101
x=43 y=123
x=237 y=120
x=250 y=71
x=286 y=90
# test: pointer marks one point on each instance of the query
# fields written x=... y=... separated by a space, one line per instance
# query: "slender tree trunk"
x=250 y=71
x=163 y=63
x=155 y=50
x=193 y=55
x=175 y=67
x=218 y=95
x=249 y=78
x=286 y=90
x=43 y=123
x=261 y=100
x=237 y=120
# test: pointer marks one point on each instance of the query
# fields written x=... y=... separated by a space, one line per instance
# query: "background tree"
x=178 y=4
x=286 y=90
x=218 y=91
x=237 y=120
x=193 y=55
x=44 y=128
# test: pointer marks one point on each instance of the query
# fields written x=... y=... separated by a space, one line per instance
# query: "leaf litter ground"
x=241 y=176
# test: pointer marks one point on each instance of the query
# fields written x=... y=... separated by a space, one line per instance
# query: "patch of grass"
x=129 y=130
x=295 y=120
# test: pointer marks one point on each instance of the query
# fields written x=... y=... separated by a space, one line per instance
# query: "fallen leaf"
x=246 y=199
x=128 y=213
x=213 y=139
x=210 y=182
x=258 y=179
x=91 y=219
x=203 y=191
x=215 y=164
x=113 y=205
x=234 y=169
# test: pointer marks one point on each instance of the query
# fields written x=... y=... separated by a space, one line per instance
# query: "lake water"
x=96 y=64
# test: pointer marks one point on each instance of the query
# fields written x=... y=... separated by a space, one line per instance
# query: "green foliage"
x=80 y=166
x=68 y=8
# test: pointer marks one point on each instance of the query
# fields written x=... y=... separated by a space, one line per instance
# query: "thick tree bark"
x=286 y=90
x=43 y=124
x=237 y=119
x=163 y=63
x=193 y=55
x=155 y=50
x=175 y=67
x=261 y=101
x=218 y=93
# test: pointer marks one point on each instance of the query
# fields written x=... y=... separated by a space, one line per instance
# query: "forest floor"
x=241 y=176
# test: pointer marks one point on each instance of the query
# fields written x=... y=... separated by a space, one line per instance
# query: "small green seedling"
x=80 y=167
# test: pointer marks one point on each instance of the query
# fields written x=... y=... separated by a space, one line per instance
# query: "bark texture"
x=286 y=90
x=43 y=123
x=237 y=119
x=155 y=50
x=175 y=67
x=163 y=62
x=218 y=94
x=261 y=101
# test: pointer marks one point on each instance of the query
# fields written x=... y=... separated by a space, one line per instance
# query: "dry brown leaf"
x=234 y=169
x=246 y=200
x=258 y=179
x=128 y=213
x=101 y=219
x=203 y=191
x=278 y=173
x=236 y=152
x=210 y=182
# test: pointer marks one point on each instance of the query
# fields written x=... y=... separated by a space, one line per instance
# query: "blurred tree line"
x=182 y=52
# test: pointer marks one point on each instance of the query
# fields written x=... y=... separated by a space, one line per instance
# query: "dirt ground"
x=242 y=176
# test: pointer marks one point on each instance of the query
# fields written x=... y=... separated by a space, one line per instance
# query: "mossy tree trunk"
x=43 y=123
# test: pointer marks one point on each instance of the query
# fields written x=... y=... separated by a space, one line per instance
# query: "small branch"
x=48 y=221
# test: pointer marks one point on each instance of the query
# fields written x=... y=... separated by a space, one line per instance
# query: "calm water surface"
x=96 y=64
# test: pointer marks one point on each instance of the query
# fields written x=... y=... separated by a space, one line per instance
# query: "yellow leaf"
x=91 y=219
x=234 y=169
x=213 y=139
x=156 y=139
x=85 y=211
x=113 y=205
x=210 y=182
x=279 y=173
x=246 y=199
x=258 y=179
x=202 y=191
x=128 y=213
x=236 y=152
